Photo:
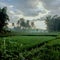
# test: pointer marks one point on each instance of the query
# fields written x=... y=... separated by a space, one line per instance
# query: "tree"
x=3 y=18
x=53 y=23
x=22 y=22
x=13 y=24
x=18 y=23
x=32 y=24
x=27 y=24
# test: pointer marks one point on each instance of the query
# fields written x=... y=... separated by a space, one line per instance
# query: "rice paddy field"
x=30 y=48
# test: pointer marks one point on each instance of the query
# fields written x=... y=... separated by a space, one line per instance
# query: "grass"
x=25 y=42
x=30 y=48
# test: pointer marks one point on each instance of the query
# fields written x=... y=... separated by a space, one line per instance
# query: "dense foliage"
x=53 y=23
x=3 y=18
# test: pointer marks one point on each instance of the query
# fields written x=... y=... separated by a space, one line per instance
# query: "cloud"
x=40 y=24
x=52 y=5
x=32 y=8
x=14 y=14
x=28 y=9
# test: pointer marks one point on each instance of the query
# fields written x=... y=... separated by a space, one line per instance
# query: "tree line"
x=22 y=23
x=53 y=23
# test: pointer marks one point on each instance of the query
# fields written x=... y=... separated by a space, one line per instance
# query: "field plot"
x=28 y=48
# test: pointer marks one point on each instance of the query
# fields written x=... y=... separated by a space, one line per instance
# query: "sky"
x=30 y=10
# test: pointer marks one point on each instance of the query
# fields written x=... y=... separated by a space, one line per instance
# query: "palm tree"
x=27 y=24
x=18 y=23
x=22 y=23
x=32 y=24
x=13 y=24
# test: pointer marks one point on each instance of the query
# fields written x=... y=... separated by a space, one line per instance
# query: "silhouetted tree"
x=27 y=24
x=32 y=24
x=22 y=22
x=13 y=24
x=3 y=18
x=18 y=23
